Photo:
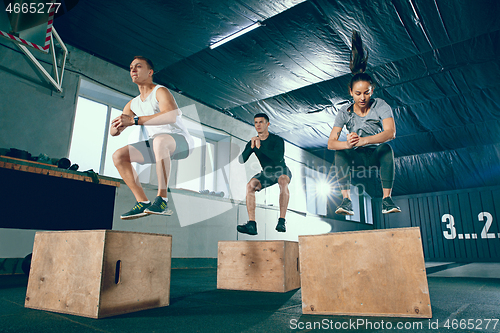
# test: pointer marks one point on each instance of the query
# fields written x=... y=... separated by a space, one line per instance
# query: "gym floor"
x=464 y=298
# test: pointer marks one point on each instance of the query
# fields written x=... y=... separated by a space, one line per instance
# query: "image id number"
x=32 y=8
x=471 y=324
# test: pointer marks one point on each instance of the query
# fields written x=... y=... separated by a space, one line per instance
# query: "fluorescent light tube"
x=236 y=34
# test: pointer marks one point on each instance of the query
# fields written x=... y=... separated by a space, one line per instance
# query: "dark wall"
x=460 y=226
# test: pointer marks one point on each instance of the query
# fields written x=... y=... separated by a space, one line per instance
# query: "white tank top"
x=151 y=106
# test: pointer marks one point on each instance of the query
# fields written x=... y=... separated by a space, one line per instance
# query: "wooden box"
x=99 y=273
x=258 y=265
x=365 y=273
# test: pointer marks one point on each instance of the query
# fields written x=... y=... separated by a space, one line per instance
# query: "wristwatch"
x=136 y=120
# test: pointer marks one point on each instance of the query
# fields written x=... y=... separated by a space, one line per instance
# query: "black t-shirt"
x=270 y=154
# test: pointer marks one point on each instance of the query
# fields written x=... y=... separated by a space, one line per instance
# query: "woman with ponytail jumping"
x=370 y=124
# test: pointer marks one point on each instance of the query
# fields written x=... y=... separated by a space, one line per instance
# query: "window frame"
x=106 y=129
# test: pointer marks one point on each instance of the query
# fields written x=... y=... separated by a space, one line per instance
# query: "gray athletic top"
x=368 y=125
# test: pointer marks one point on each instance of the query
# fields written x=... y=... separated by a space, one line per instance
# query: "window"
x=208 y=182
x=318 y=192
x=88 y=134
x=91 y=145
x=113 y=144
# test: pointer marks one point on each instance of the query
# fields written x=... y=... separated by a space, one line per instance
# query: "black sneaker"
x=388 y=206
x=136 y=212
x=280 y=227
x=345 y=207
x=249 y=228
x=159 y=207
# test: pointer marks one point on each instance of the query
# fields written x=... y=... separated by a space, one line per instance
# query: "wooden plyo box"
x=365 y=273
x=99 y=273
x=271 y=266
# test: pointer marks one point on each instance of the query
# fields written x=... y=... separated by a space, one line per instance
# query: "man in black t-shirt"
x=270 y=151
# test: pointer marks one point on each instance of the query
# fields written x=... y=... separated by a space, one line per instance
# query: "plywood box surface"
x=271 y=266
x=99 y=273
x=365 y=273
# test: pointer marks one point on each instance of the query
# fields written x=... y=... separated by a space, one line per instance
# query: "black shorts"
x=270 y=177
x=146 y=149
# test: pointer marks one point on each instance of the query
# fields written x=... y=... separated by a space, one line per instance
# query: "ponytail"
x=358 y=61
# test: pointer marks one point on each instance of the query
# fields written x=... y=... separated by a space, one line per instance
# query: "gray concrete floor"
x=467 y=293
x=473 y=270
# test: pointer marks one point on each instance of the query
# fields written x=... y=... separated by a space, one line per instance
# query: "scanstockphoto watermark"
x=449 y=325
x=359 y=172
x=327 y=179
x=355 y=324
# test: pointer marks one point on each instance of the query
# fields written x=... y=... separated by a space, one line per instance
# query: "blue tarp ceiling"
x=436 y=62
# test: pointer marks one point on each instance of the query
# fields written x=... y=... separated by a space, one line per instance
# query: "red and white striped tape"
x=48 y=35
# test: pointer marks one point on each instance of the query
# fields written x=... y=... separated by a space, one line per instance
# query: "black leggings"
x=365 y=159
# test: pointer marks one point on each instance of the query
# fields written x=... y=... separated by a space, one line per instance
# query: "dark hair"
x=358 y=61
x=149 y=62
x=261 y=115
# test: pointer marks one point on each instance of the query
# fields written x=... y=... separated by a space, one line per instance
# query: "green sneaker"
x=159 y=207
x=345 y=207
x=136 y=212
x=388 y=206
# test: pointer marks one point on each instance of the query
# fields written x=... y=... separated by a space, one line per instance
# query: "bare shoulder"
x=163 y=93
x=165 y=99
